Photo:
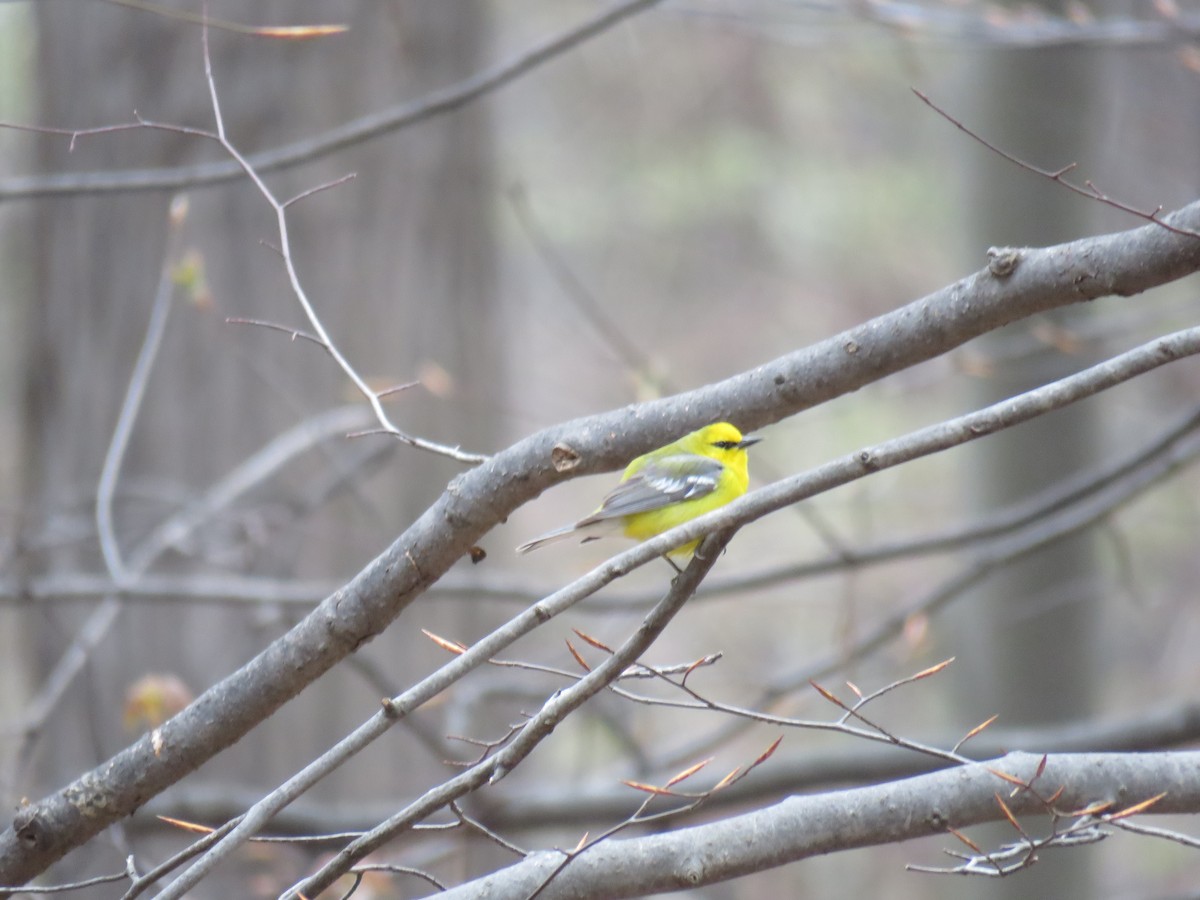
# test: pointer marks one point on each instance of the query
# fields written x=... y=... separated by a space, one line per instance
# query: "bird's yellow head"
x=723 y=442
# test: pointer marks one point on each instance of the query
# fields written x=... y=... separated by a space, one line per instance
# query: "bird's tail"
x=550 y=537
x=588 y=529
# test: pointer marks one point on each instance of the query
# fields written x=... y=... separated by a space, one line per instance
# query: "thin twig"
x=873 y=732
x=305 y=194
x=293 y=333
x=64 y=888
x=301 y=295
x=1058 y=176
x=1165 y=834
x=486 y=832
x=395 y=869
x=640 y=816
x=134 y=394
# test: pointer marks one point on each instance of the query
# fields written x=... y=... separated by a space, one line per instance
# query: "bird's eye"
x=725 y=445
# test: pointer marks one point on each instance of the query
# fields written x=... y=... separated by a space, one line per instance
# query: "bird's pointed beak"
x=748 y=441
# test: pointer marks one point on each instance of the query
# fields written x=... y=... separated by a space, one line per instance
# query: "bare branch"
x=310 y=312
x=132 y=403
x=293 y=333
x=801 y=827
x=50 y=889
x=1164 y=833
x=1058 y=176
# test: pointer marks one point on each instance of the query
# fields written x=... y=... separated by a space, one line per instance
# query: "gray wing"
x=659 y=483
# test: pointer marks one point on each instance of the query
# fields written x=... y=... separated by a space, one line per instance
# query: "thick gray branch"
x=801 y=827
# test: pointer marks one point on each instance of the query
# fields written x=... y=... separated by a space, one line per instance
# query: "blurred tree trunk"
x=400 y=264
x=16 y=249
x=1026 y=637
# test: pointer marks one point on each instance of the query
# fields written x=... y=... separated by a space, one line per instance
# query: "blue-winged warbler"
x=666 y=487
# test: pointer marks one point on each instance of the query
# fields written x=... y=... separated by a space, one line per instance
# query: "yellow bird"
x=666 y=487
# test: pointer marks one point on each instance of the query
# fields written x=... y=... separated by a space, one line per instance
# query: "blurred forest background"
x=697 y=190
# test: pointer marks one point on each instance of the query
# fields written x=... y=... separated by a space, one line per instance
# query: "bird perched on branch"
x=701 y=471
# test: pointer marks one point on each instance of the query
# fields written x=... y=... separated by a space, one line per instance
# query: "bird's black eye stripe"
x=725 y=445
